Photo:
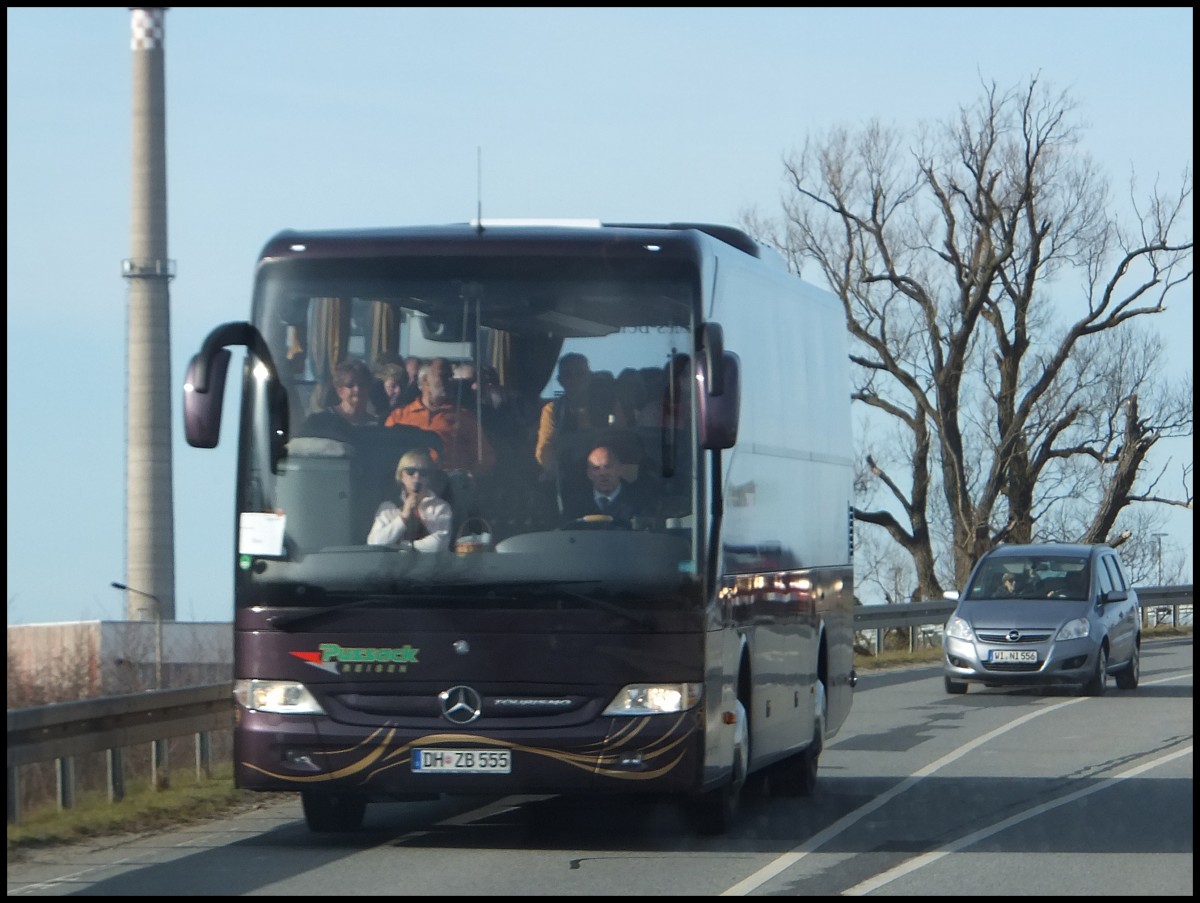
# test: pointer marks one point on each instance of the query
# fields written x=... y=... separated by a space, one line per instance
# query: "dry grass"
x=143 y=809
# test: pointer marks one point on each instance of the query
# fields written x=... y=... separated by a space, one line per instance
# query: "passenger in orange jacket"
x=464 y=446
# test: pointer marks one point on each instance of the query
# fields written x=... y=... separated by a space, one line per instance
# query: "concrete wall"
x=83 y=659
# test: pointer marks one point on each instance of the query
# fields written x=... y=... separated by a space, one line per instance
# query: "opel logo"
x=460 y=705
x=1014 y=636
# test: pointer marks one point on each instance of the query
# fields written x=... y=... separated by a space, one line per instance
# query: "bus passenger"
x=566 y=413
x=412 y=366
x=588 y=401
x=464 y=446
x=342 y=405
x=352 y=382
x=391 y=380
x=422 y=519
x=604 y=405
x=672 y=408
x=631 y=394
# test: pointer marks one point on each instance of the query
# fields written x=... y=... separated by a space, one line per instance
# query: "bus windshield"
x=540 y=386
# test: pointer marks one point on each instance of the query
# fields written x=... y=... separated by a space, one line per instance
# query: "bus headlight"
x=655 y=699
x=282 y=697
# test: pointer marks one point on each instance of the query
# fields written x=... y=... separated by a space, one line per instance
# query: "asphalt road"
x=995 y=792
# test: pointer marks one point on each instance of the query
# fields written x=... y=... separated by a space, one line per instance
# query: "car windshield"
x=1029 y=577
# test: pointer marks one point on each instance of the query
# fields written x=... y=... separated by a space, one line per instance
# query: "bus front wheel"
x=715 y=811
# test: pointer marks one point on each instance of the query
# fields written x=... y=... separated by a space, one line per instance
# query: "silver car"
x=1045 y=614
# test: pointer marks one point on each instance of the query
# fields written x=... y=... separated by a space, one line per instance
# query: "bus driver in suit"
x=610 y=495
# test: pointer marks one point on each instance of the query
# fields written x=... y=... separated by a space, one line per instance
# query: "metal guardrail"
x=868 y=616
x=47 y=732
x=888 y=616
x=64 y=730
x=1165 y=595
x=1162 y=603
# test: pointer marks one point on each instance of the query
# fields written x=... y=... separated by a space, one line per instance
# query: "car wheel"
x=956 y=687
x=1128 y=677
x=1099 y=679
x=328 y=813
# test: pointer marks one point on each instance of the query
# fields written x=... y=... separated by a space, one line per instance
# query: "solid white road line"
x=787 y=860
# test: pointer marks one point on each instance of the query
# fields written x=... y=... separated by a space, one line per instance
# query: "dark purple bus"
x=490 y=631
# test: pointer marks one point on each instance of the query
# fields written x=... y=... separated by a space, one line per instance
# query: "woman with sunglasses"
x=352 y=382
x=422 y=518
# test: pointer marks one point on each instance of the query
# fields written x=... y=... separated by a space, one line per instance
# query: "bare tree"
x=946 y=255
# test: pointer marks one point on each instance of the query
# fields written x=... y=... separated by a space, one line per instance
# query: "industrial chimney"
x=149 y=507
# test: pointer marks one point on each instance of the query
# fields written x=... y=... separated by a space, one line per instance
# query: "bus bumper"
x=635 y=754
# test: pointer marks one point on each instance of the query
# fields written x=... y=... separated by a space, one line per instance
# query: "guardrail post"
x=65 y=770
x=204 y=763
x=14 y=795
x=159 y=765
x=116 y=775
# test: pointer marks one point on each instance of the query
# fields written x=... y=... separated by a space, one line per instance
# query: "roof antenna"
x=479 y=190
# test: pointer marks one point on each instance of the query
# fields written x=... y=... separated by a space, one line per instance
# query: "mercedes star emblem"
x=460 y=705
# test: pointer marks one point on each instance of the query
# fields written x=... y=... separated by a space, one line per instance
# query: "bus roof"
x=289 y=243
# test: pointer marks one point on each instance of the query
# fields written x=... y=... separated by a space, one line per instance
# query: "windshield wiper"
x=556 y=589
x=647 y=621
x=461 y=591
x=283 y=622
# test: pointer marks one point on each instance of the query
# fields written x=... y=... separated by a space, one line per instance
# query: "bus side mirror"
x=719 y=414
x=202 y=410
x=712 y=346
x=204 y=386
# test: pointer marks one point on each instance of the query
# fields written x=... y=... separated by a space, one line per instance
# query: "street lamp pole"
x=1158 y=538
x=158 y=635
x=158 y=748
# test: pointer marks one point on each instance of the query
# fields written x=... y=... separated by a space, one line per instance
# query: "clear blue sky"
x=369 y=117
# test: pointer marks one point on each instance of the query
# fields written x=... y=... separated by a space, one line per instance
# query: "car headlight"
x=282 y=697
x=1075 y=629
x=655 y=699
x=958 y=628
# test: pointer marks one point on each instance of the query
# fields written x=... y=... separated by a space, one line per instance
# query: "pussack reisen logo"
x=337 y=659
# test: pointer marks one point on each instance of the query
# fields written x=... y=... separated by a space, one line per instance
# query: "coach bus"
x=699 y=648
